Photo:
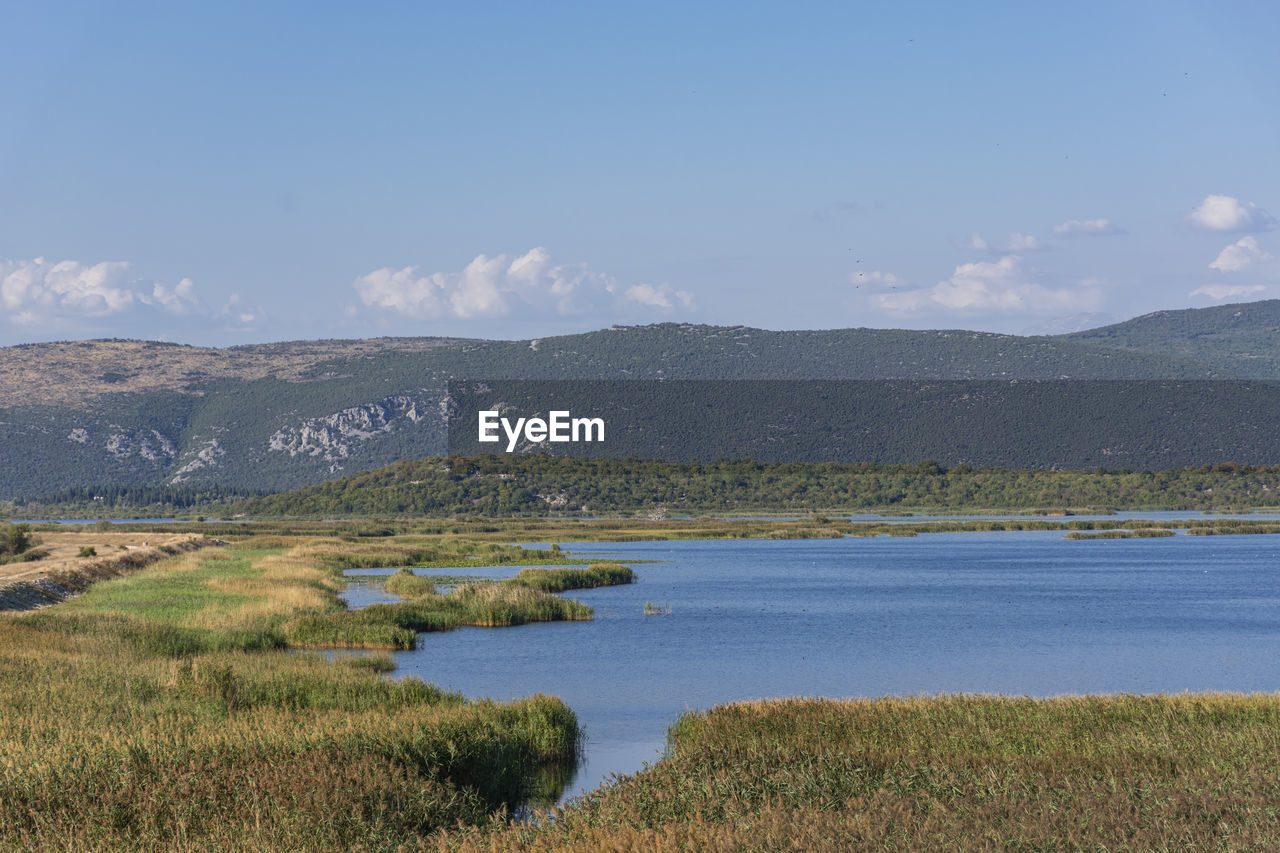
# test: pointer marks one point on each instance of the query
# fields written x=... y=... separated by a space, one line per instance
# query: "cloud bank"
x=1018 y=242
x=1240 y=255
x=495 y=287
x=70 y=294
x=1087 y=228
x=1220 y=292
x=65 y=287
x=1226 y=213
x=1002 y=286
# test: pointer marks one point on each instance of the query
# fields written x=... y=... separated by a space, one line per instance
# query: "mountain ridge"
x=285 y=414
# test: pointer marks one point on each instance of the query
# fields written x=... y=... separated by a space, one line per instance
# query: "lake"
x=1002 y=612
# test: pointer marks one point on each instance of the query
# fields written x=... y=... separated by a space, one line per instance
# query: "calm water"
x=1025 y=613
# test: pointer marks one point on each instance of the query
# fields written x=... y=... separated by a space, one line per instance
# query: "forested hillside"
x=544 y=485
x=1240 y=340
x=276 y=416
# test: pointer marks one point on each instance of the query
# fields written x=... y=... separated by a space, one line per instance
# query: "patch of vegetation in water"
x=525 y=598
x=562 y=580
x=1136 y=533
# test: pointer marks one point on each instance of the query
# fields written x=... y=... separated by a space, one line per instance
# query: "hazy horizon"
x=268 y=342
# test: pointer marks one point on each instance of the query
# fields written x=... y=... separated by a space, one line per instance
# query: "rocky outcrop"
x=123 y=443
x=206 y=457
x=334 y=437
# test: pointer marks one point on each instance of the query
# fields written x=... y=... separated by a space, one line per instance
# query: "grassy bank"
x=61 y=581
x=161 y=709
x=974 y=773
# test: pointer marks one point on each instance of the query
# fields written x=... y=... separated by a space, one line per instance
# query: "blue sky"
x=233 y=173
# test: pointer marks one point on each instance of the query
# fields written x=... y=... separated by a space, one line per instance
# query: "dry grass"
x=1188 y=772
x=132 y=717
x=64 y=550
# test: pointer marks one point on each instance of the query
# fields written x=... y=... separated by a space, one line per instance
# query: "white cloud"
x=1227 y=291
x=1001 y=285
x=1018 y=242
x=67 y=287
x=1239 y=255
x=660 y=296
x=402 y=291
x=1086 y=227
x=180 y=300
x=76 y=298
x=1225 y=213
x=530 y=266
x=492 y=287
x=236 y=316
x=476 y=293
x=875 y=280
x=1023 y=243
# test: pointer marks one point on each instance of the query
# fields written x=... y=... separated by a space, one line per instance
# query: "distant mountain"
x=275 y=416
x=1238 y=340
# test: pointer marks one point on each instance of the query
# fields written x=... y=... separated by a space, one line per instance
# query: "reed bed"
x=157 y=711
x=562 y=580
x=947 y=773
x=527 y=597
x=1136 y=533
x=1239 y=527
x=396 y=626
x=406 y=584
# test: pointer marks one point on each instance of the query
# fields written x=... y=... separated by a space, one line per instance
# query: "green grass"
x=160 y=710
x=1137 y=533
x=406 y=584
x=561 y=580
x=173 y=593
x=948 y=773
x=524 y=598
x=396 y=626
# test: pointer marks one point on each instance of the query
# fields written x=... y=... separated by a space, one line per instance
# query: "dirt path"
x=64 y=550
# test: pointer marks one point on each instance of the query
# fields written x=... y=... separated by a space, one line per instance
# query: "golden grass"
x=64 y=547
x=128 y=720
x=1185 y=772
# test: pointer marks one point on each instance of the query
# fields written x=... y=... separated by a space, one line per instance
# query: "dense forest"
x=546 y=485
x=167 y=499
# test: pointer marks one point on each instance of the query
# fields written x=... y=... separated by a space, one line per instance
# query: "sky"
x=230 y=173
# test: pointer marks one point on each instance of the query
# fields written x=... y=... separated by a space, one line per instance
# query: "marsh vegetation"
x=158 y=709
x=947 y=773
x=169 y=707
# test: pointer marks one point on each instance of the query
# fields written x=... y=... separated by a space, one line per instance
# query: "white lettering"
x=513 y=435
x=558 y=427
x=587 y=425
x=488 y=426
x=536 y=430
